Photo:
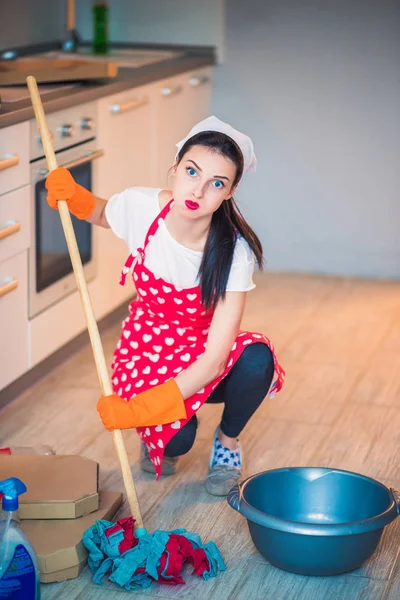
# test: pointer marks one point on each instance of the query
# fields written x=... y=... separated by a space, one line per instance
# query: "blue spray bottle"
x=19 y=569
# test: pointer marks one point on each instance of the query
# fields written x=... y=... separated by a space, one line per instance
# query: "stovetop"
x=130 y=58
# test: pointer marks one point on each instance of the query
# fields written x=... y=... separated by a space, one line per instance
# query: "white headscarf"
x=243 y=141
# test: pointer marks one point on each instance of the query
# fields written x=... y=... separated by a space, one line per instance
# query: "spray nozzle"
x=10 y=489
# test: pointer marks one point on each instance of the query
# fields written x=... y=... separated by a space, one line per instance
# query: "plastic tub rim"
x=238 y=502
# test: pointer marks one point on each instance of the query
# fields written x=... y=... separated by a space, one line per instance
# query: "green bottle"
x=100 y=28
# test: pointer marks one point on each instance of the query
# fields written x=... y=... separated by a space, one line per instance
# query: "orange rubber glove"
x=156 y=406
x=62 y=186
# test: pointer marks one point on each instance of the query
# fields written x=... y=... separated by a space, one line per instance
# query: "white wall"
x=196 y=22
x=317 y=86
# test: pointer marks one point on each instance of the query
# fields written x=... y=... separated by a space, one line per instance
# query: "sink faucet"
x=71 y=41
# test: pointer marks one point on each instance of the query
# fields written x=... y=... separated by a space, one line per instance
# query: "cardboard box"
x=58 y=543
x=59 y=487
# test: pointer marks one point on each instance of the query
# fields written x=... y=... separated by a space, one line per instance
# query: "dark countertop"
x=193 y=58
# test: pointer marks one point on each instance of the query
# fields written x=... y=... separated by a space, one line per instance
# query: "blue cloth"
x=104 y=556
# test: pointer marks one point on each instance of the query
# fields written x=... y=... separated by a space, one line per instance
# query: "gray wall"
x=197 y=22
x=316 y=83
x=25 y=22
x=317 y=86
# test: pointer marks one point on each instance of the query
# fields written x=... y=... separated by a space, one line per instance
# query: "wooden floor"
x=339 y=341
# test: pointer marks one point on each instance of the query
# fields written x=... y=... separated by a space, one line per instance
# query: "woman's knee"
x=183 y=440
x=257 y=361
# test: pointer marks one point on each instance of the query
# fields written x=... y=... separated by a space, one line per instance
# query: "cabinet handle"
x=10 y=228
x=197 y=81
x=11 y=161
x=9 y=286
x=117 y=109
x=171 y=90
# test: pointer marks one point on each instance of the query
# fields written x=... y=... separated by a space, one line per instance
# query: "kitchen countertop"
x=191 y=57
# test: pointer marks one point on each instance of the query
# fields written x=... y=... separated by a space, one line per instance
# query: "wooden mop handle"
x=85 y=299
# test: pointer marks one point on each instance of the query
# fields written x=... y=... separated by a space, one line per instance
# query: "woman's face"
x=202 y=181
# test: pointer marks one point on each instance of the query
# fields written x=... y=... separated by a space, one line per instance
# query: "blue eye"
x=191 y=171
x=218 y=184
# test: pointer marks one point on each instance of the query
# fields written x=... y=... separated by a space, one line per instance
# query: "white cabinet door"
x=126 y=125
x=56 y=326
x=172 y=123
x=182 y=101
x=106 y=292
x=126 y=131
x=13 y=318
x=14 y=157
x=199 y=95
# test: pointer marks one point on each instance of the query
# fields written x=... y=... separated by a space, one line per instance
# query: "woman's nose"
x=198 y=191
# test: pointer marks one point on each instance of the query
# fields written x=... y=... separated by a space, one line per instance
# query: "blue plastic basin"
x=315 y=521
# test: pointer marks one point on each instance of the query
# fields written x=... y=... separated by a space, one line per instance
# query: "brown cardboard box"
x=58 y=543
x=59 y=487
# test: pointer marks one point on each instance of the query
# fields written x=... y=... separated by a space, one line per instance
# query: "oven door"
x=51 y=276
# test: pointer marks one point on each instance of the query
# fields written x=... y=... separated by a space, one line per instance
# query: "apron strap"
x=128 y=266
x=132 y=259
x=155 y=224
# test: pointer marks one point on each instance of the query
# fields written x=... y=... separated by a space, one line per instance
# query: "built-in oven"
x=51 y=276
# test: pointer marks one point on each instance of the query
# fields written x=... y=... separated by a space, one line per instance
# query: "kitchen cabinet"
x=15 y=222
x=14 y=157
x=14 y=240
x=126 y=132
x=56 y=326
x=181 y=102
x=126 y=129
x=13 y=318
x=138 y=130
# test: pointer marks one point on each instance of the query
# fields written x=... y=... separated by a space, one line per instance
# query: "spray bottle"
x=19 y=569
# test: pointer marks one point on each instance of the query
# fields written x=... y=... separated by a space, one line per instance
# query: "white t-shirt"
x=130 y=214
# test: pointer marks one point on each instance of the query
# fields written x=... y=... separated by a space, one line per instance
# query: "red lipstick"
x=192 y=205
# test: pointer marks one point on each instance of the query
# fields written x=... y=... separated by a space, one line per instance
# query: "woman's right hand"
x=61 y=186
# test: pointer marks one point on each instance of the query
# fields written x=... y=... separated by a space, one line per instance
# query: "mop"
x=124 y=551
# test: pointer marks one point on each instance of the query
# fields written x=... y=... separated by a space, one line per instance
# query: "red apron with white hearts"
x=165 y=332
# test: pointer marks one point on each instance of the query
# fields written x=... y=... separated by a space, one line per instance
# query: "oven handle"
x=84 y=159
x=88 y=157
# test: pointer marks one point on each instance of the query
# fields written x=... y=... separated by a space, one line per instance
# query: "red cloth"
x=178 y=551
x=126 y=525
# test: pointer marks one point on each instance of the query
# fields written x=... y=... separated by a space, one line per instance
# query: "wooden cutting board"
x=15 y=72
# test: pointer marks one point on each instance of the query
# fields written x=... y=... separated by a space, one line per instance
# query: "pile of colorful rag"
x=134 y=562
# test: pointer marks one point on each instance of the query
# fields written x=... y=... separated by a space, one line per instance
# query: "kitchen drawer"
x=13 y=318
x=15 y=228
x=14 y=157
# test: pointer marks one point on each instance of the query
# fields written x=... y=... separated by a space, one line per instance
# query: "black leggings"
x=242 y=391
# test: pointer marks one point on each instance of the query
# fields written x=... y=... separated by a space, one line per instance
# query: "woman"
x=192 y=258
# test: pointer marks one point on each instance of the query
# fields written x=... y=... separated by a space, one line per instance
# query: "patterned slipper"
x=225 y=468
